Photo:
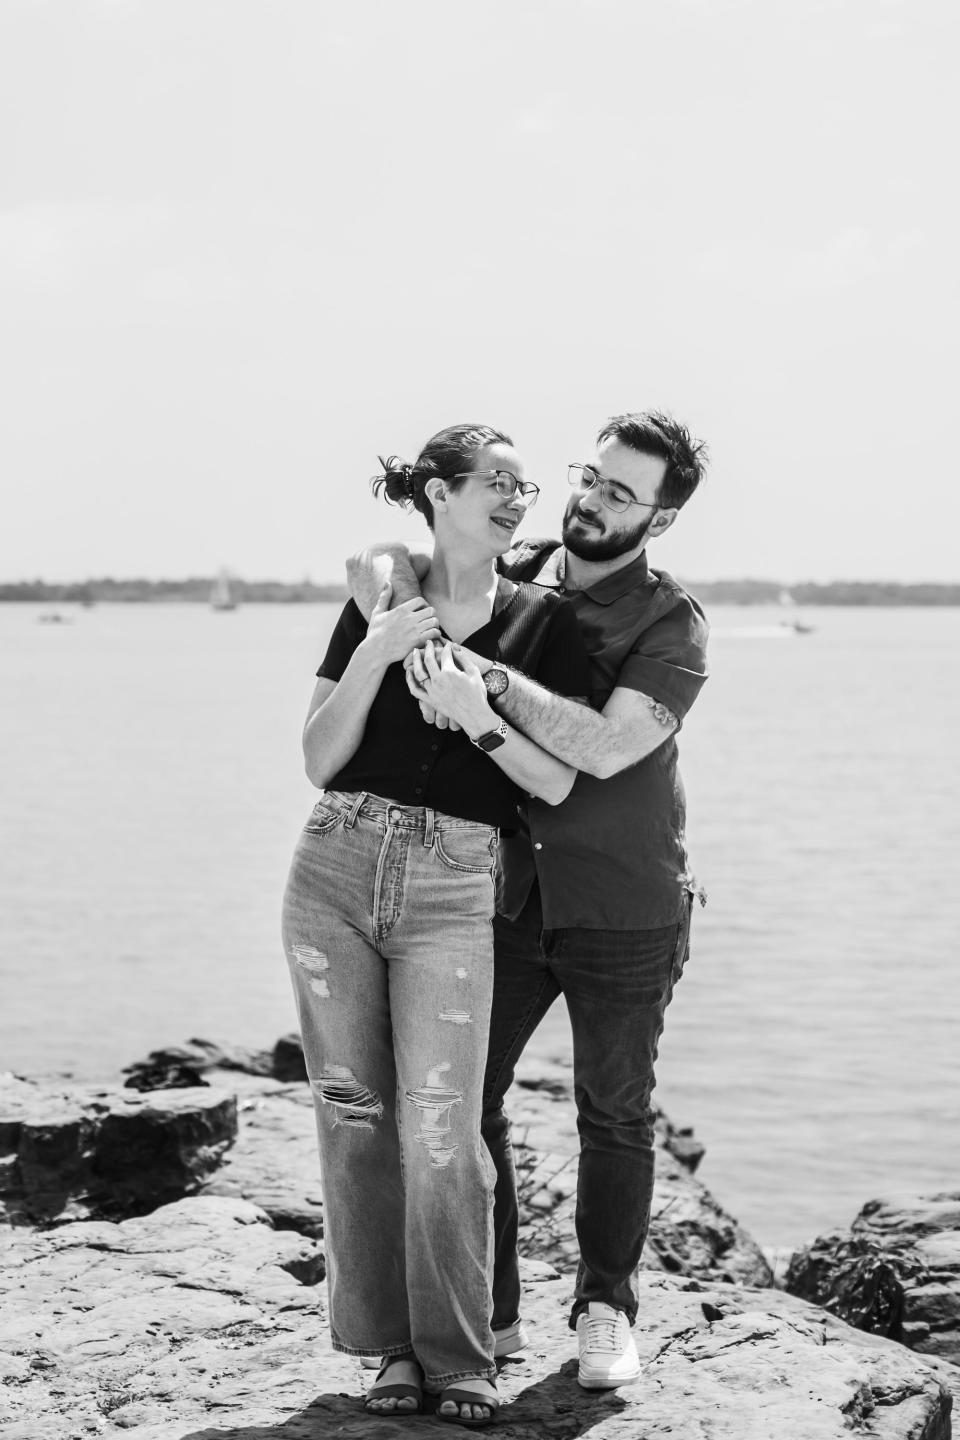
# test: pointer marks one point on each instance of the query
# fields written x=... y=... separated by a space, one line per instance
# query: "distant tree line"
x=722 y=592
x=197 y=589
x=831 y=592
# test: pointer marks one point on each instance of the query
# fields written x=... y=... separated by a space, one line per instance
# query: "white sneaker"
x=608 y=1356
x=509 y=1339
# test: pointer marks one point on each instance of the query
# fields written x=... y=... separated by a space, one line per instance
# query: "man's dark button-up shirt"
x=613 y=855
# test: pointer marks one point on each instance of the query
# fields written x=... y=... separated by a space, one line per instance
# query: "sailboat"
x=784 y=629
x=221 y=597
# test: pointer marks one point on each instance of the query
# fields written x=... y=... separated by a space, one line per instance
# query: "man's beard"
x=600 y=546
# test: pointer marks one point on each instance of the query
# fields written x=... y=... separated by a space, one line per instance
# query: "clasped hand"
x=449 y=687
x=392 y=633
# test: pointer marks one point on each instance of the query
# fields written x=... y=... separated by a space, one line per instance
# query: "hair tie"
x=393 y=465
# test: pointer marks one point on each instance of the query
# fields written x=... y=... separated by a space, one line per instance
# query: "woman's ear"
x=435 y=491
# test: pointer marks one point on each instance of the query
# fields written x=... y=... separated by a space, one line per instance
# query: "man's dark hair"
x=651 y=432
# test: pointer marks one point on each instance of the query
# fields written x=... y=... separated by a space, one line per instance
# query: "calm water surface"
x=152 y=794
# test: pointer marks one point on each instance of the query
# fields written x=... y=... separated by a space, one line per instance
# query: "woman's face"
x=476 y=512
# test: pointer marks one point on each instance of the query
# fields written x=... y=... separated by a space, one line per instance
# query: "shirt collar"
x=612 y=587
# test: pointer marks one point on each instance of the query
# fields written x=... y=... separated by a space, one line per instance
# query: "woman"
x=387 y=927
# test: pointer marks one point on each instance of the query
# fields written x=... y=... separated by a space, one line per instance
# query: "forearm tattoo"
x=660 y=713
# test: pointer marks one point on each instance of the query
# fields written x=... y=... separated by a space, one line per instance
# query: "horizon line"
x=308 y=581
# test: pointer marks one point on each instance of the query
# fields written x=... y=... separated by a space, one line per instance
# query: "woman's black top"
x=402 y=758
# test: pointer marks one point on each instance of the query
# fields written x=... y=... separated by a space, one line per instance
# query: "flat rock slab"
x=71 y=1152
x=896 y=1272
x=274 y=1162
x=104 y=1325
x=200 y=1322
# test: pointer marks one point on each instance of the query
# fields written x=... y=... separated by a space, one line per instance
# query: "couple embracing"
x=502 y=822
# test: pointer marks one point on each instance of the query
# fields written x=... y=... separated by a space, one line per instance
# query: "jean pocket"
x=466 y=850
x=324 y=818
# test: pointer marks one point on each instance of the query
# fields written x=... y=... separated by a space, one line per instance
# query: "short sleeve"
x=525 y=559
x=669 y=660
x=349 y=630
x=563 y=666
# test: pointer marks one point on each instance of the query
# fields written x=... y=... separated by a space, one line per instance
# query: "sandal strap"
x=460 y=1396
x=395 y=1392
x=399 y=1389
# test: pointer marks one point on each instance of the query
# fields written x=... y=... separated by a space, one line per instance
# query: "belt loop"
x=428 y=829
x=351 y=819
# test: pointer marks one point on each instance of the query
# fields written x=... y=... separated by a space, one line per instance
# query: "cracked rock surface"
x=201 y=1322
x=206 y=1317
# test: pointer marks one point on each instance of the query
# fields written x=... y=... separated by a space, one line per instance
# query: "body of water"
x=152 y=791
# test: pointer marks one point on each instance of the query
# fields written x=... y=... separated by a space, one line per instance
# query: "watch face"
x=496 y=681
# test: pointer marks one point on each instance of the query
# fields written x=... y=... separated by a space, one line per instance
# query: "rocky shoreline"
x=163 y=1252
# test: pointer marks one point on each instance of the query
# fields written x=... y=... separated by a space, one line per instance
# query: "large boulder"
x=176 y=1066
x=181 y=1066
x=896 y=1272
x=201 y=1322
x=67 y=1153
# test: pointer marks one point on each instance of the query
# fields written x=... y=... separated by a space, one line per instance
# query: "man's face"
x=591 y=530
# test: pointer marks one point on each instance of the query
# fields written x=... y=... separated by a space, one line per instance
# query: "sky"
x=248 y=245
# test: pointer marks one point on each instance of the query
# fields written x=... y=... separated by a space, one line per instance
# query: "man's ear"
x=435 y=491
x=662 y=521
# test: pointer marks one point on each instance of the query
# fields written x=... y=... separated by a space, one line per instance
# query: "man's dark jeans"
x=617 y=985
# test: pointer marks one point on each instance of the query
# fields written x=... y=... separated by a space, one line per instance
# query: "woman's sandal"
x=395 y=1390
x=459 y=1395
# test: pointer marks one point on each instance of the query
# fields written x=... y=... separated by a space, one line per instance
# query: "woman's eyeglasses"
x=507 y=484
x=585 y=477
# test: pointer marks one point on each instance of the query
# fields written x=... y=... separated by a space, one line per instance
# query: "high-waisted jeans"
x=387 y=928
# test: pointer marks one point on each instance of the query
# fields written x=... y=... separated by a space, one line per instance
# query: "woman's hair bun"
x=396 y=482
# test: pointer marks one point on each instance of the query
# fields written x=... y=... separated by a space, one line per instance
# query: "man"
x=595 y=894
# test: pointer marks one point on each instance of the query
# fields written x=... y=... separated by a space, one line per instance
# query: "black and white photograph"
x=480 y=670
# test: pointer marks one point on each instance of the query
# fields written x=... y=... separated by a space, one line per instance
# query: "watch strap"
x=491 y=739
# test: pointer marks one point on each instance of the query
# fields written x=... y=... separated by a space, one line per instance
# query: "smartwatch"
x=492 y=739
x=496 y=681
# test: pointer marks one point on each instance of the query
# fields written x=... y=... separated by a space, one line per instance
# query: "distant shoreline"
x=197 y=590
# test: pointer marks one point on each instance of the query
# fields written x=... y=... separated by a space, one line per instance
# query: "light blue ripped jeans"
x=387 y=927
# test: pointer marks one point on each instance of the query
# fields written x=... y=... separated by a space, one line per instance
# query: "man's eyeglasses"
x=507 y=484
x=611 y=495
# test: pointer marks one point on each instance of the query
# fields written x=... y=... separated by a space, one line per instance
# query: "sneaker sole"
x=602 y=1380
x=511 y=1344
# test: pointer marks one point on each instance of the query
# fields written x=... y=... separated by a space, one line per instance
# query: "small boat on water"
x=54 y=617
x=793 y=622
x=775 y=630
x=783 y=629
x=221 y=596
